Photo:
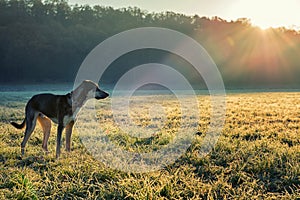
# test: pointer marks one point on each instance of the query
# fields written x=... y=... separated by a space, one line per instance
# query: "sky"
x=262 y=13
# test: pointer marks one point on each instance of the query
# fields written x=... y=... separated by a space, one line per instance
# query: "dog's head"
x=93 y=90
x=88 y=89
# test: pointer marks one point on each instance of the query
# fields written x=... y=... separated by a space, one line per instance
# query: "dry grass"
x=256 y=157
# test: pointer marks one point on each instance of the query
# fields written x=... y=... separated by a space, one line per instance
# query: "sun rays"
x=266 y=13
x=250 y=53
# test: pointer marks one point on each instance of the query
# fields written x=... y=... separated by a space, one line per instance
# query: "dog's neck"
x=77 y=98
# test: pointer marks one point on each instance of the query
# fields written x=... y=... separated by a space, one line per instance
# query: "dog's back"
x=50 y=104
x=44 y=103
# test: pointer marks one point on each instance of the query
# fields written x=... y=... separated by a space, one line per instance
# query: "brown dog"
x=61 y=109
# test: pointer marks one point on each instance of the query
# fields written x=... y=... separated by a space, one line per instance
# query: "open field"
x=257 y=155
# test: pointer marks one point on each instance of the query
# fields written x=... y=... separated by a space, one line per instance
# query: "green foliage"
x=256 y=157
x=25 y=188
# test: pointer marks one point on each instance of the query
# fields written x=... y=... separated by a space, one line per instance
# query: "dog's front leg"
x=69 y=128
x=60 y=129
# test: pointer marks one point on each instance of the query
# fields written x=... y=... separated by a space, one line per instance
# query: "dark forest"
x=46 y=42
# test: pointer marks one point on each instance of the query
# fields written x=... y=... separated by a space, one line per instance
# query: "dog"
x=61 y=109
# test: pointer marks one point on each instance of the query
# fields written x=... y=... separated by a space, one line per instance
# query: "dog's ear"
x=89 y=82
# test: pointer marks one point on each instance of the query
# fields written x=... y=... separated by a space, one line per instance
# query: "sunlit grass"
x=256 y=157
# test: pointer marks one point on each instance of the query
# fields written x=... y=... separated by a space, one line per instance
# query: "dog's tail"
x=18 y=126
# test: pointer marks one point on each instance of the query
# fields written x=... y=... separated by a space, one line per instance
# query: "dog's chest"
x=67 y=119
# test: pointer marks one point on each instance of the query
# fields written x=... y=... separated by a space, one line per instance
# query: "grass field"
x=257 y=155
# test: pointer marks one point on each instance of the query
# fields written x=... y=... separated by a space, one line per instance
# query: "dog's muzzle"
x=99 y=94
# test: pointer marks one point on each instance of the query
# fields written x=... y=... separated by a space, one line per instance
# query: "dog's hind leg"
x=31 y=117
x=46 y=126
x=69 y=128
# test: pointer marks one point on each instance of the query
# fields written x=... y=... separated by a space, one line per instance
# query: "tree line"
x=46 y=41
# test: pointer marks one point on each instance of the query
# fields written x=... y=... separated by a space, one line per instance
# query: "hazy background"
x=266 y=13
x=46 y=41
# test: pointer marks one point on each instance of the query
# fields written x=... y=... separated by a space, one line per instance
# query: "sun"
x=268 y=13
